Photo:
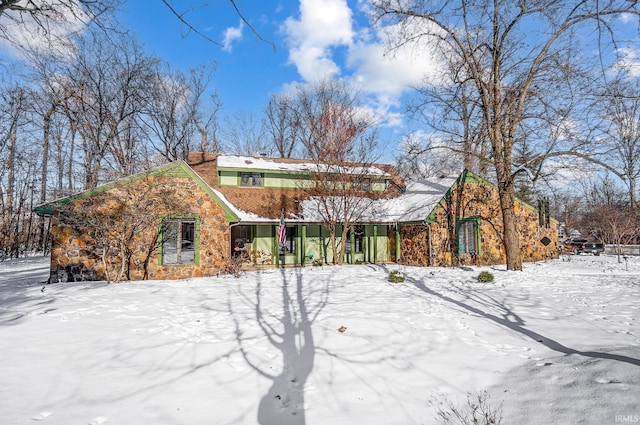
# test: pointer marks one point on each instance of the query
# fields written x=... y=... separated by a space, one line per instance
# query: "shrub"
x=477 y=411
x=485 y=277
x=396 y=276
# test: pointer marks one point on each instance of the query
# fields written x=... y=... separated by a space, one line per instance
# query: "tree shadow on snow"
x=286 y=326
x=511 y=320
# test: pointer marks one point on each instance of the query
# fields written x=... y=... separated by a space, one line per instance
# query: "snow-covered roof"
x=418 y=201
x=260 y=163
x=414 y=205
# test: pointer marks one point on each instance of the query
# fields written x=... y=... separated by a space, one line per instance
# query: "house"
x=201 y=216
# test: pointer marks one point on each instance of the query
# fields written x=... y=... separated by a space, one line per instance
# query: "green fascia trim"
x=178 y=169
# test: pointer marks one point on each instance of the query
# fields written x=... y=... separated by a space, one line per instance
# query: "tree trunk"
x=511 y=238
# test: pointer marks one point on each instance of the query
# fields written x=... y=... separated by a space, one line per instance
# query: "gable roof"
x=174 y=169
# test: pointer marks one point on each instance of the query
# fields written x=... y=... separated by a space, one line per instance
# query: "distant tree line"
x=517 y=109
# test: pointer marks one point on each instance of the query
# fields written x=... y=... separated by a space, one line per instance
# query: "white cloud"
x=230 y=35
x=323 y=44
x=322 y=25
x=629 y=61
x=625 y=18
x=23 y=33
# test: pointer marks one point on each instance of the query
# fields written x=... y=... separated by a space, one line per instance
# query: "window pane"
x=178 y=241
x=256 y=179
x=170 y=242
x=245 y=179
x=467 y=237
x=188 y=242
x=290 y=244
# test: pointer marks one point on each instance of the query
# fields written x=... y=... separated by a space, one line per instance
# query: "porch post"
x=352 y=241
x=375 y=243
x=275 y=247
x=398 y=254
x=303 y=238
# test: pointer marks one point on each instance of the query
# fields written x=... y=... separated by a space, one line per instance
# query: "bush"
x=396 y=276
x=485 y=277
x=477 y=411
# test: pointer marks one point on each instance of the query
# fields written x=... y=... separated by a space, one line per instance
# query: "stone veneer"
x=435 y=244
x=73 y=253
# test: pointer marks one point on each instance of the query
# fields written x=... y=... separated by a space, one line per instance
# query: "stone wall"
x=82 y=230
x=437 y=244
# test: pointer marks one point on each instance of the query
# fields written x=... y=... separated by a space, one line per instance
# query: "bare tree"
x=120 y=226
x=191 y=28
x=245 y=134
x=520 y=58
x=283 y=124
x=110 y=82
x=619 y=107
x=48 y=25
x=618 y=225
x=173 y=112
x=341 y=139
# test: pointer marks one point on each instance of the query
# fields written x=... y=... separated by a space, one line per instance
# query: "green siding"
x=317 y=243
x=281 y=180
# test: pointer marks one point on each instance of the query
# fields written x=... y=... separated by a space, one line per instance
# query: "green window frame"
x=468 y=236
x=179 y=241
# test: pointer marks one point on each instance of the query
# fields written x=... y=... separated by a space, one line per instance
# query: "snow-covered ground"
x=558 y=343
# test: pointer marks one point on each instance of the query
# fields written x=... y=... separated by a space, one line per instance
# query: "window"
x=364 y=185
x=290 y=244
x=251 y=179
x=467 y=236
x=178 y=241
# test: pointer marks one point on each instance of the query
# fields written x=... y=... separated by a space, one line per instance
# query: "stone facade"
x=435 y=243
x=130 y=215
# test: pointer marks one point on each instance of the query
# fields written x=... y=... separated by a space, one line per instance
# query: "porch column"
x=375 y=243
x=275 y=248
x=398 y=254
x=352 y=241
x=303 y=238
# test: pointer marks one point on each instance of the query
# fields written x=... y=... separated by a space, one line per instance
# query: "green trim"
x=276 y=245
x=398 y=253
x=375 y=243
x=303 y=240
x=352 y=241
x=178 y=169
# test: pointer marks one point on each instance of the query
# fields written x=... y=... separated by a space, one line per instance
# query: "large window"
x=468 y=236
x=251 y=179
x=178 y=240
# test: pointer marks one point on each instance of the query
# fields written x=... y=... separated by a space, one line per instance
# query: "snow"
x=556 y=343
x=417 y=202
x=261 y=163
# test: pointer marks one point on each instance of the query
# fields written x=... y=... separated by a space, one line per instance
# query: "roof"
x=175 y=169
x=261 y=163
x=260 y=205
x=419 y=200
x=414 y=205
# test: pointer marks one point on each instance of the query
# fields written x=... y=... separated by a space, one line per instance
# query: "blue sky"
x=313 y=39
